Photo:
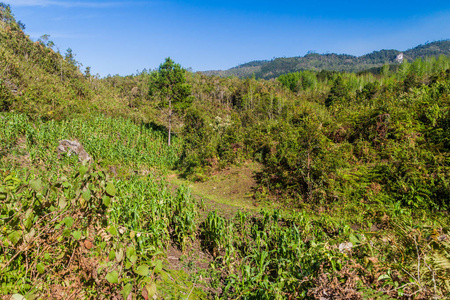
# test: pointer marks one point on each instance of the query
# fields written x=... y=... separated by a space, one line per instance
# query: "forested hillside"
x=333 y=62
x=38 y=79
x=349 y=192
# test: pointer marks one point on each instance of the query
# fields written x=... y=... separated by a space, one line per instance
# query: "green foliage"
x=42 y=83
x=298 y=81
x=339 y=92
x=386 y=133
x=50 y=218
x=169 y=84
x=199 y=141
x=372 y=62
x=368 y=91
x=6 y=97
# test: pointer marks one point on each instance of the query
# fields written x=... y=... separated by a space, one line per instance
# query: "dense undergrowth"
x=64 y=231
x=74 y=230
x=81 y=234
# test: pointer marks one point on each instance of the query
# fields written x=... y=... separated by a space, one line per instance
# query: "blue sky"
x=122 y=37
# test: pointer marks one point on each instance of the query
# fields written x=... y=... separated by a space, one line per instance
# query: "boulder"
x=73 y=147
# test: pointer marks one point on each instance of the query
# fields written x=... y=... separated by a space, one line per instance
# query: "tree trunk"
x=170 y=120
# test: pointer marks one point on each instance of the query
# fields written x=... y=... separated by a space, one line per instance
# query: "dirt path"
x=227 y=191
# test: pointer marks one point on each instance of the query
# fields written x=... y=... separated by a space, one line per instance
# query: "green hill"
x=332 y=62
x=37 y=79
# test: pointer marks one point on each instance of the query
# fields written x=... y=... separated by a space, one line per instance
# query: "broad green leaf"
x=106 y=200
x=383 y=276
x=112 y=230
x=102 y=245
x=158 y=266
x=36 y=185
x=119 y=255
x=62 y=203
x=40 y=268
x=28 y=220
x=110 y=189
x=113 y=277
x=44 y=190
x=68 y=221
x=87 y=195
x=112 y=255
x=83 y=170
x=128 y=265
x=17 y=297
x=130 y=251
x=142 y=270
x=15 y=236
x=126 y=291
x=77 y=235
x=355 y=239
x=133 y=259
x=151 y=289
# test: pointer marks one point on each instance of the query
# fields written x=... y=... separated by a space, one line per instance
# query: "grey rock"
x=73 y=147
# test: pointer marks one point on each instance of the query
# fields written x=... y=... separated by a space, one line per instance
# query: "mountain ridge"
x=268 y=69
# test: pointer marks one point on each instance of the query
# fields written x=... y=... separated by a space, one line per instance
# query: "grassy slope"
x=233 y=187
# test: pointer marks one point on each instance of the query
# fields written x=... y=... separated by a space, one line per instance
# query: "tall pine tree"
x=169 y=83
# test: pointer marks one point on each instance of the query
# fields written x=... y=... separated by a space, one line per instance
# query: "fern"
x=439 y=262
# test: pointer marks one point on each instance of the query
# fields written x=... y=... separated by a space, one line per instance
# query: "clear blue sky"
x=121 y=37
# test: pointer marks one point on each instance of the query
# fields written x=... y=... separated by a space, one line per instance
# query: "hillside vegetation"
x=349 y=199
x=333 y=62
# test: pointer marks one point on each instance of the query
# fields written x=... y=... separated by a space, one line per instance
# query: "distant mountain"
x=333 y=62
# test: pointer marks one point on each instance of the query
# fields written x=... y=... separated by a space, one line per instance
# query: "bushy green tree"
x=368 y=91
x=339 y=92
x=169 y=84
x=291 y=81
x=70 y=57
